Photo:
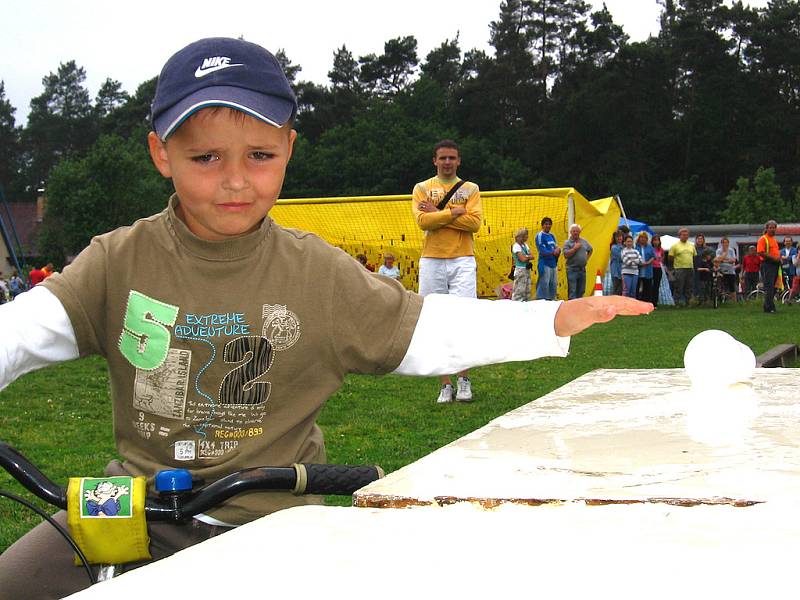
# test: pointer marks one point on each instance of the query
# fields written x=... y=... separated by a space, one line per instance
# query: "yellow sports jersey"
x=447 y=236
x=682 y=254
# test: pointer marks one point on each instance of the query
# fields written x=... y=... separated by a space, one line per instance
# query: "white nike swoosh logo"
x=201 y=72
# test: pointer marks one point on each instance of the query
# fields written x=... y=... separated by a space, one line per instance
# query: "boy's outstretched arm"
x=453 y=334
x=576 y=315
x=35 y=331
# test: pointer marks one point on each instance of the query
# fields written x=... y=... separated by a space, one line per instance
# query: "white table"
x=463 y=551
x=594 y=490
x=615 y=436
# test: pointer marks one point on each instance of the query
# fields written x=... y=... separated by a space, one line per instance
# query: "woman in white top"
x=521 y=253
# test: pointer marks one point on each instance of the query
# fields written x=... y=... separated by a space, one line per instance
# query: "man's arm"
x=36 y=332
x=572 y=250
x=543 y=248
x=427 y=216
x=472 y=217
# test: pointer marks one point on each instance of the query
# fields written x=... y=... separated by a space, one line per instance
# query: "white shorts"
x=456 y=276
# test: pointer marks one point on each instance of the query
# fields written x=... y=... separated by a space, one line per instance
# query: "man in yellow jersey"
x=681 y=259
x=448 y=210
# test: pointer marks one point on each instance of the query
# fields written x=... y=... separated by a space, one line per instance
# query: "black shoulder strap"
x=449 y=194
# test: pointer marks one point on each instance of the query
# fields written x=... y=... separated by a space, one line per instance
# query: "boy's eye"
x=204 y=158
x=259 y=155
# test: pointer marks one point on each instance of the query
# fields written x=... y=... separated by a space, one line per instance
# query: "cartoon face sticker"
x=109 y=497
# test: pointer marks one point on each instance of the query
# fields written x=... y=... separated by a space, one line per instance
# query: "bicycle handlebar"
x=299 y=479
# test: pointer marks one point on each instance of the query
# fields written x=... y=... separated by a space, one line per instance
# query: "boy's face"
x=227 y=169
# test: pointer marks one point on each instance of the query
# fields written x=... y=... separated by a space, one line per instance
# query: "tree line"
x=697 y=124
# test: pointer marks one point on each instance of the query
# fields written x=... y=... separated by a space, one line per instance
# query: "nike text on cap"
x=221 y=72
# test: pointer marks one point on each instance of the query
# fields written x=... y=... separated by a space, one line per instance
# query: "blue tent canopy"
x=636 y=226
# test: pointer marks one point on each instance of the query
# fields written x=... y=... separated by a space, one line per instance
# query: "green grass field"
x=60 y=417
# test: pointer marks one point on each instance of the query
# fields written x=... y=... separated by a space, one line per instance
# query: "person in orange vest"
x=770 y=253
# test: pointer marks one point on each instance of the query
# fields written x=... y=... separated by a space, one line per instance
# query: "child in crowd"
x=362 y=258
x=615 y=262
x=647 y=256
x=658 y=264
x=751 y=264
x=631 y=260
x=265 y=321
x=388 y=268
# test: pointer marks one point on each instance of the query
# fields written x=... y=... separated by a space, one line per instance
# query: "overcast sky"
x=129 y=42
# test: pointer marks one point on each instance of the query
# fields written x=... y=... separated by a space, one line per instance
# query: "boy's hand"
x=576 y=315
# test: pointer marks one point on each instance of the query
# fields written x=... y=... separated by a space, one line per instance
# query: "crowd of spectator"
x=638 y=265
x=14 y=285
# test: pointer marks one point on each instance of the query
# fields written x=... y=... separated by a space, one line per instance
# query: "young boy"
x=224 y=332
x=751 y=264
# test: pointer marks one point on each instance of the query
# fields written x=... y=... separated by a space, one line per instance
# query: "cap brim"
x=275 y=110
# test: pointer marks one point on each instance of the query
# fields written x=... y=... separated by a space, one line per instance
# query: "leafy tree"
x=314 y=108
x=132 y=117
x=387 y=74
x=774 y=58
x=109 y=96
x=344 y=72
x=759 y=202
x=443 y=65
x=9 y=140
x=61 y=122
x=113 y=185
x=289 y=69
x=602 y=42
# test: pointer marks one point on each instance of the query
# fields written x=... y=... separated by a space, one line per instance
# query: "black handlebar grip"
x=341 y=480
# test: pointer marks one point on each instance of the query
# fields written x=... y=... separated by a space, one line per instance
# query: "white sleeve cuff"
x=454 y=334
x=36 y=332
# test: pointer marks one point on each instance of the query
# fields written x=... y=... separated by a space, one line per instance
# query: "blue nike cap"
x=221 y=72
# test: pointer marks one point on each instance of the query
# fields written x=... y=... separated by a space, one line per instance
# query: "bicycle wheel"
x=754 y=295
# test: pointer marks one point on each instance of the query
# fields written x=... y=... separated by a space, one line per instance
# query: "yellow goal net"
x=375 y=225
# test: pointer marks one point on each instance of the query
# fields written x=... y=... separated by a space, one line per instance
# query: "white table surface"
x=464 y=551
x=619 y=436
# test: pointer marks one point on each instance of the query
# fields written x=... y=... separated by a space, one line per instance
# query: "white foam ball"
x=714 y=358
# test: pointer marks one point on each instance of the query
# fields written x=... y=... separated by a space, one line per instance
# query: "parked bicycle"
x=758 y=294
x=788 y=298
x=718 y=292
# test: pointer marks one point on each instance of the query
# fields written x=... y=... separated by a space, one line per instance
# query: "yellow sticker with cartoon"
x=106 y=518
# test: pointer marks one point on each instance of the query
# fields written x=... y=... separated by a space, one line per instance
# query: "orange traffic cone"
x=598 y=284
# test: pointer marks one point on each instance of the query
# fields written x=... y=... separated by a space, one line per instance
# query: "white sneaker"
x=445 y=394
x=464 y=393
